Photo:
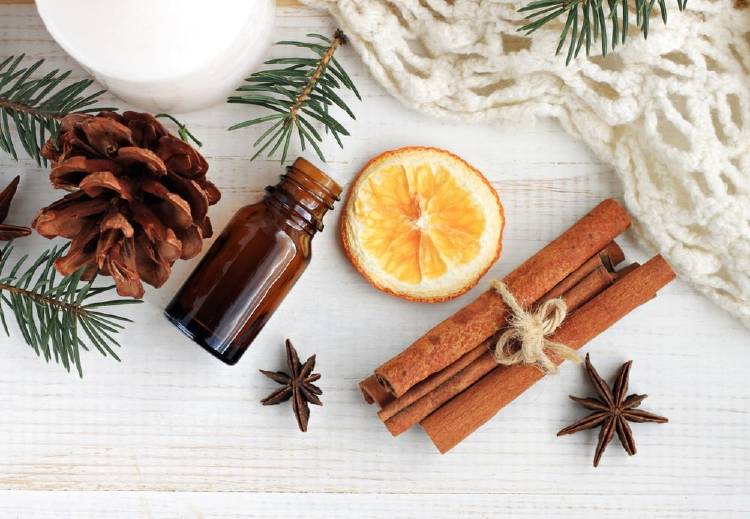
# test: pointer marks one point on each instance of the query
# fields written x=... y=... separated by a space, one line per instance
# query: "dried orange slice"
x=422 y=224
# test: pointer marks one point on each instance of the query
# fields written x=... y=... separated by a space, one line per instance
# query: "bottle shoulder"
x=259 y=217
x=252 y=210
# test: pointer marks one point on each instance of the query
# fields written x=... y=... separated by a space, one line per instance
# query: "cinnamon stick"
x=460 y=333
x=608 y=258
x=605 y=260
x=418 y=393
x=588 y=287
x=468 y=411
x=407 y=411
x=374 y=393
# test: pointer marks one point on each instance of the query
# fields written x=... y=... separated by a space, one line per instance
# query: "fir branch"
x=182 y=130
x=585 y=21
x=55 y=317
x=34 y=106
x=298 y=97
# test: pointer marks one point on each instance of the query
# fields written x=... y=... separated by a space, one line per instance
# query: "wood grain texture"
x=232 y=505
x=280 y=3
x=170 y=432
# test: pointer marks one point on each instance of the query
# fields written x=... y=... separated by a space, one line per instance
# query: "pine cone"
x=139 y=198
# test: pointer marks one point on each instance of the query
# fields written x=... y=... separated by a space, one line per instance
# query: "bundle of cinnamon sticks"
x=449 y=381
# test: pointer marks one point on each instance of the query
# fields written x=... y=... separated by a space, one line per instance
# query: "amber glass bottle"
x=254 y=263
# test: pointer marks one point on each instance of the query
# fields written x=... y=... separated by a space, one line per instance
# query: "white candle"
x=164 y=55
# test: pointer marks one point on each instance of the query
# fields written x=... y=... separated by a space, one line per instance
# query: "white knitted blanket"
x=672 y=115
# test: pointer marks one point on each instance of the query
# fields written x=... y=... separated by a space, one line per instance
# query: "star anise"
x=9 y=232
x=612 y=411
x=297 y=385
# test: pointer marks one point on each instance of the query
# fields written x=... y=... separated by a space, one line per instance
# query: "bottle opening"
x=305 y=194
x=314 y=180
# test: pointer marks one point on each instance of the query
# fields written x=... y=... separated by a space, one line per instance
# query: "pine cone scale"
x=81 y=253
x=104 y=245
x=172 y=207
x=192 y=242
x=152 y=268
x=105 y=135
x=171 y=248
x=212 y=192
x=68 y=173
x=121 y=265
x=181 y=158
x=192 y=193
x=146 y=129
x=104 y=182
x=69 y=218
x=114 y=220
x=206 y=228
x=133 y=154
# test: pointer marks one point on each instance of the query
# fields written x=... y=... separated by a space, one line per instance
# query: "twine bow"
x=530 y=329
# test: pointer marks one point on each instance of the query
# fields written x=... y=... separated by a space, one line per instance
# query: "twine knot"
x=529 y=330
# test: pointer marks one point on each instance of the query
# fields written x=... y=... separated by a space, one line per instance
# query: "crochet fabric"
x=672 y=115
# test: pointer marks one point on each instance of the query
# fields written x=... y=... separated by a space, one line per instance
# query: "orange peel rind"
x=422 y=224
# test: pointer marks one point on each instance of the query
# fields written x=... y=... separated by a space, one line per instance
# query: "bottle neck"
x=304 y=195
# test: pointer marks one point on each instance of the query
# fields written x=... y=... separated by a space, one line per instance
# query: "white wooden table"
x=171 y=432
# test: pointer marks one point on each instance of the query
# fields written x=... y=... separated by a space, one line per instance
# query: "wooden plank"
x=280 y=3
x=228 y=505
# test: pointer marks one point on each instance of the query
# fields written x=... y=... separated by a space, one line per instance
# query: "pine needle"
x=593 y=21
x=32 y=107
x=58 y=318
x=298 y=96
x=182 y=130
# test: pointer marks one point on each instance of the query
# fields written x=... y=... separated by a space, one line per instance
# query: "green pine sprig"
x=586 y=21
x=298 y=96
x=182 y=130
x=32 y=107
x=58 y=318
